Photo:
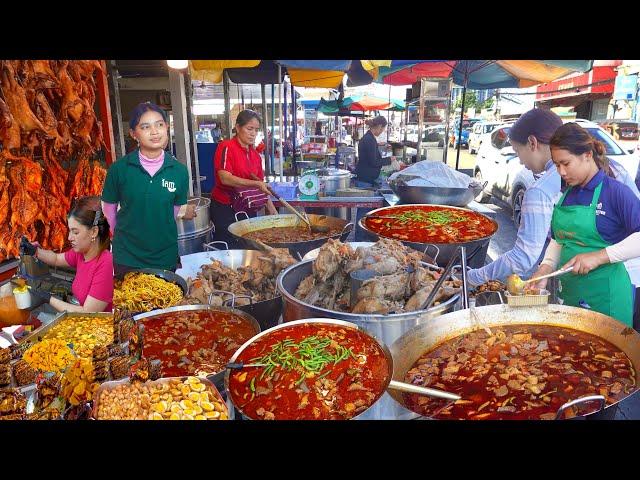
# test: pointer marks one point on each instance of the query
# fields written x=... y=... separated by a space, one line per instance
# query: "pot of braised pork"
x=527 y=363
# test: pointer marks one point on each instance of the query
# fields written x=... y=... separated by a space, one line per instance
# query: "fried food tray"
x=37 y=335
x=126 y=381
x=528 y=300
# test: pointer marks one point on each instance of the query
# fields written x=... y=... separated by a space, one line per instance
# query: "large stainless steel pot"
x=333 y=179
x=266 y=312
x=384 y=327
x=200 y=222
x=297 y=249
x=414 y=343
x=457 y=197
x=375 y=412
x=194 y=242
x=442 y=252
x=218 y=378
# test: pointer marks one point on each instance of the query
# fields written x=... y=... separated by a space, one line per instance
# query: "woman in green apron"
x=595 y=227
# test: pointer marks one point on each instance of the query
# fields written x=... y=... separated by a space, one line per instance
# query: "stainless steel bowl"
x=266 y=312
x=383 y=408
x=217 y=378
x=443 y=251
x=163 y=274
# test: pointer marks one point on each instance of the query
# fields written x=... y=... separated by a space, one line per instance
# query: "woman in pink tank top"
x=89 y=256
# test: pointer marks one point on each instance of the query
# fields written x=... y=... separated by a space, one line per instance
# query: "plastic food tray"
x=528 y=300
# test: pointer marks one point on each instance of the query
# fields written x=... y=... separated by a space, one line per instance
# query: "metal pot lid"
x=332 y=172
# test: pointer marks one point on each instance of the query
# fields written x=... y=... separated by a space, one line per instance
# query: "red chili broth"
x=464 y=226
x=277 y=397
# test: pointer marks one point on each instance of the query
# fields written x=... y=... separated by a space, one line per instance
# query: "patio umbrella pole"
x=280 y=121
x=420 y=122
x=273 y=128
x=406 y=120
x=388 y=113
x=464 y=91
x=294 y=114
x=267 y=166
x=286 y=113
x=227 y=102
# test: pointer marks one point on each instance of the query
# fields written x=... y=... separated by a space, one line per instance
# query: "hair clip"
x=96 y=220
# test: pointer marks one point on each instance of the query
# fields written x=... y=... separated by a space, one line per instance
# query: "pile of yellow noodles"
x=141 y=292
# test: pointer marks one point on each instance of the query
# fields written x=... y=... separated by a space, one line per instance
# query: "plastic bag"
x=431 y=174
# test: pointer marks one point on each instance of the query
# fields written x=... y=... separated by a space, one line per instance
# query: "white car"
x=479 y=133
x=507 y=179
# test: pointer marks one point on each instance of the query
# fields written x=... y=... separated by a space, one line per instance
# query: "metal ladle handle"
x=578 y=401
x=429 y=392
x=347 y=228
x=549 y=275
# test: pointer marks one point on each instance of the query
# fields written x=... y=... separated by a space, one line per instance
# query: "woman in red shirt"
x=89 y=256
x=236 y=165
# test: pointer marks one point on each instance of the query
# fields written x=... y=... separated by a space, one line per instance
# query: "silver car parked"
x=507 y=179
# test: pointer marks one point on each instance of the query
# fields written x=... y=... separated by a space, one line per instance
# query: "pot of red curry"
x=524 y=363
x=419 y=226
x=314 y=369
x=288 y=231
x=195 y=339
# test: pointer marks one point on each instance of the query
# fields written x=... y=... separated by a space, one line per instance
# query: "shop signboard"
x=626 y=87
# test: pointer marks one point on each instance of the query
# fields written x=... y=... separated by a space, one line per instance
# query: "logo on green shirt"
x=171 y=186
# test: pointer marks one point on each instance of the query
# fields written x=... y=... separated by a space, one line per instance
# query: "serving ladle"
x=393 y=384
x=515 y=285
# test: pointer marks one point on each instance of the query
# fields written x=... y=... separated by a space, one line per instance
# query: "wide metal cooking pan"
x=417 y=341
x=218 y=378
x=375 y=410
x=297 y=249
x=443 y=251
x=163 y=274
x=266 y=312
x=387 y=328
x=451 y=196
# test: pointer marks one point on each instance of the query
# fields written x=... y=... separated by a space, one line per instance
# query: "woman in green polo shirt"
x=151 y=187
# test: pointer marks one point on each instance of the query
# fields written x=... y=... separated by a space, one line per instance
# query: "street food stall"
x=299 y=324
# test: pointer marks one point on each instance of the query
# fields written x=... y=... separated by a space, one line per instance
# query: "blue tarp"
x=310 y=104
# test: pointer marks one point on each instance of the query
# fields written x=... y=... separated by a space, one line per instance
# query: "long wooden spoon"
x=313 y=228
